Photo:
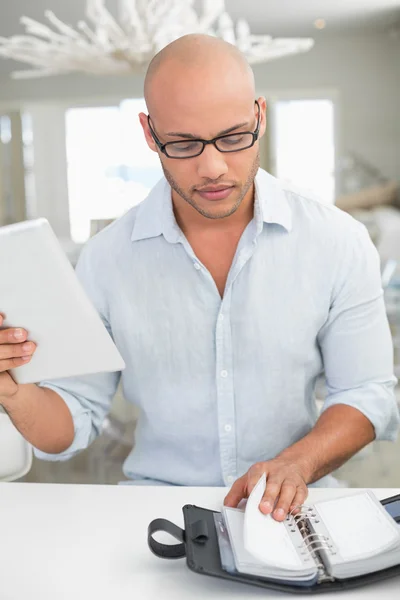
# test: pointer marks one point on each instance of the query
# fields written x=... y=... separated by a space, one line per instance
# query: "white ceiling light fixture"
x=126 y=44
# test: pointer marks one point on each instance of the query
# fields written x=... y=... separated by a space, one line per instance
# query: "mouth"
x=216 y=192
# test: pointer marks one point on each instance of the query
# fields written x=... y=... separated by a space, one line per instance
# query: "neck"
x=191 y=221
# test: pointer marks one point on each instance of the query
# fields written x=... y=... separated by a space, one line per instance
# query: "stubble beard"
x=189 y=199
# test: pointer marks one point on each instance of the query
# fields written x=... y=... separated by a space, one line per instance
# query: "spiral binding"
x=312 y=542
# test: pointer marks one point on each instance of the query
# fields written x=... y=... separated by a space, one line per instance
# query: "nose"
x=211 y=163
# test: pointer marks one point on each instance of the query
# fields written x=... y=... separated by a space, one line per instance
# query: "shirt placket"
x=227 y=425
x=224 y=360
x=225 y=392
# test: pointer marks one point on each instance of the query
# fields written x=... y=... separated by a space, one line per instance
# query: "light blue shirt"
x=224 y=383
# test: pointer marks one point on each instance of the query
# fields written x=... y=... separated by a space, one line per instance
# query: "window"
x=304 y=145
x=110 y=167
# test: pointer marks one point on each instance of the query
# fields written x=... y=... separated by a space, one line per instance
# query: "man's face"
x=213 y=183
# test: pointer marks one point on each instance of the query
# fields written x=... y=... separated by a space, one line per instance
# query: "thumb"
x=8 y=387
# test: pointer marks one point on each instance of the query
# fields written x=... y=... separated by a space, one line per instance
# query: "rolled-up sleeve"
x=88 y=397
x=355 y=341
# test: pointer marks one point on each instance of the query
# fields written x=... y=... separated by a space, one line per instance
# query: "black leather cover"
x=199 y=543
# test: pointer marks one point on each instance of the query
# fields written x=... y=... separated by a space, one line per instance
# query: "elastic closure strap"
x=166 y=550
x=198 y=532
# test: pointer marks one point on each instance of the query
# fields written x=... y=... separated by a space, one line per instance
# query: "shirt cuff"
x=376 y=401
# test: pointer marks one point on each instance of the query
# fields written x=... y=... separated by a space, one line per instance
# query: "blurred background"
x=72 y=150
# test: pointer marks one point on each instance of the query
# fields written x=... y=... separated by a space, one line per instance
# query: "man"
x=227 y=294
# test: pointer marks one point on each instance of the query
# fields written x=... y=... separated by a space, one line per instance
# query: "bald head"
x=197 y=88
x=195 y=64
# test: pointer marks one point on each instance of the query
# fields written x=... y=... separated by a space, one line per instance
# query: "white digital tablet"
x=40 y=292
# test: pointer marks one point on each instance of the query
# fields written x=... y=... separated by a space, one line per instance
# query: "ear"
x=147 y=134
x=263 y=116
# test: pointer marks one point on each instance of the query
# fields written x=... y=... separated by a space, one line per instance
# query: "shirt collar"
x=155 y=215
x=271 y=203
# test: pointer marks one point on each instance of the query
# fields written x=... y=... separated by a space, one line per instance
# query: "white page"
x=357 y=524
x=247 y=563
x=266 y=539
x=234 y=519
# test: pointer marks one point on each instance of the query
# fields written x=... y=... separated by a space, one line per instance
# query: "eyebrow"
x=191 y=136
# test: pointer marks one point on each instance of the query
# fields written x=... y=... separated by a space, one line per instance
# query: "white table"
x=64 y=542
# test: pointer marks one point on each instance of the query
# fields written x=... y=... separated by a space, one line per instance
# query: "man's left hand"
x=286 y=487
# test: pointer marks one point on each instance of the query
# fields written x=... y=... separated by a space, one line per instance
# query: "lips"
x=217 y=193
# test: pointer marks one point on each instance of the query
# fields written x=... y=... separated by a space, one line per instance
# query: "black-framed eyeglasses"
x=231 y=142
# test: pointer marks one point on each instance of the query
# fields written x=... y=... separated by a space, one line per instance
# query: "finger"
x=12 y=363
x=8 y=351
x=237 y=492
x=254 y=474
x=13 y=335
x=270 y=495
x=299 y=499
x=286 y=497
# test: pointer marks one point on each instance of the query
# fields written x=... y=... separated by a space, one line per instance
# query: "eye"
x=235 y=139
x=184 y=146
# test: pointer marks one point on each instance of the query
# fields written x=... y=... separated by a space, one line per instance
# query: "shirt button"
x=197 y=266
x=221 y=317
x=224 y=373
x=230 y=478
x=228 y=428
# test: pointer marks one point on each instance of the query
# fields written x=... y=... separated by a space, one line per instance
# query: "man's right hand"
x=39 y=413
x=15 y=351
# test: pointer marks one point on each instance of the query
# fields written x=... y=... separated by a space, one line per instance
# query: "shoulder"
x=340 y=244
x=107 y=250
x=324 y=224
x=113 y=240
x=319 y=215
